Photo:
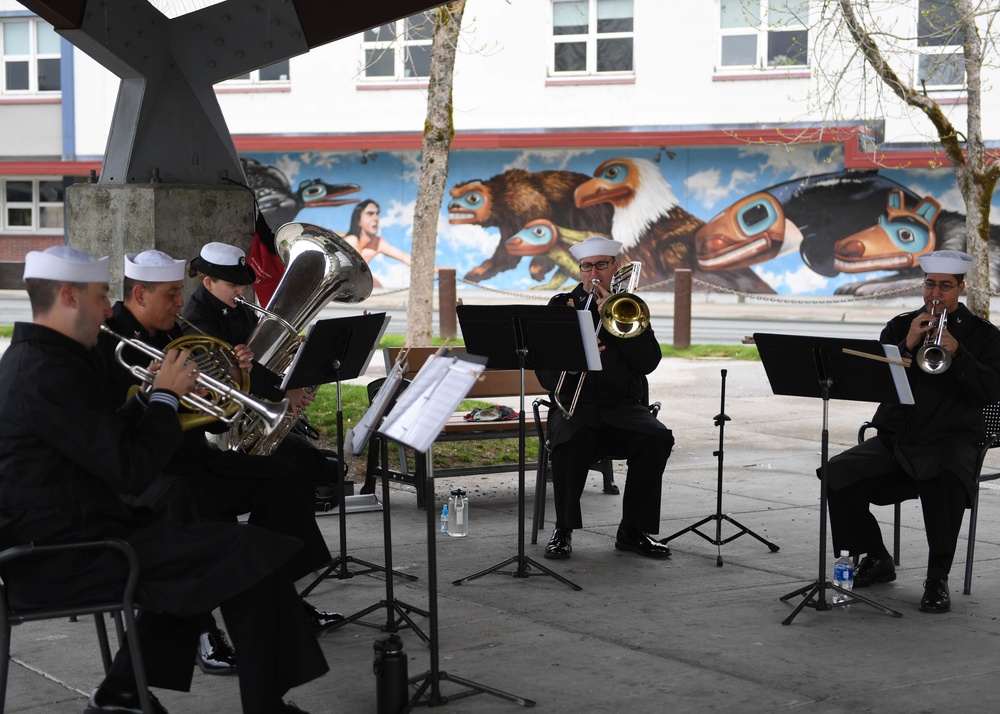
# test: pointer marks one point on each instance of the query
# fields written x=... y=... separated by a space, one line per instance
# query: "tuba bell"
x=320 y=267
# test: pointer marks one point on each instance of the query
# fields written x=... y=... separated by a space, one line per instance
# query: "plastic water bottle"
x=843 y=576
x=458 y=526
x=444 y=518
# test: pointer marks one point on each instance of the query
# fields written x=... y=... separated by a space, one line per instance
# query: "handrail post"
x=447 y=313
x=682 y=309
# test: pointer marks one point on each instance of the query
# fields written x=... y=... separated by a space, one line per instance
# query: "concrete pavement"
x=684 y=635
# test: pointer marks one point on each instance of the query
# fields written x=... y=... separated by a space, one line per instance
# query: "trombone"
x=623 y=314
x=228 y=403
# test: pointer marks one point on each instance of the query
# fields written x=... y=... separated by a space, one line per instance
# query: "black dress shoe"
x=321 y=621
x=560 y=544
x=636 y=541
x=105 y=700
x=936 y=597
x=215 y=655
x=874 y=570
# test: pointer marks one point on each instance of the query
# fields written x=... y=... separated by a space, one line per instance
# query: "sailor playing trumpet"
x=610 y=417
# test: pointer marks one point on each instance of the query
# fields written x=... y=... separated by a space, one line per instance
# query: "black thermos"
x=390 y=675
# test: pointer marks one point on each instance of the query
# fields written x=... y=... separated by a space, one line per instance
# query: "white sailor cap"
x=595 y=245
x=224 y=261
x=952 y=262
x=64 y=263
x=153 y=266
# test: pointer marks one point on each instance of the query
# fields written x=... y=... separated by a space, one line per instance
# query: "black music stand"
x=336 y=350
x=719 y=516
x=397 y=612
x=415 y=421
x=803 y=366
x=527 y=337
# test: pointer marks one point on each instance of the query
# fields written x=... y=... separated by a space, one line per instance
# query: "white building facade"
x=722 y=100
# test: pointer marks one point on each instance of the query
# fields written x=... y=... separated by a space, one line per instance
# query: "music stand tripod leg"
x=821 y=585
x=428 y=690
x=338 y=567
x=523 y=562
x=720 y=421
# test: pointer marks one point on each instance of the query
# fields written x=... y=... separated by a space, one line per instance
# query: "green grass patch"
x=6 y=330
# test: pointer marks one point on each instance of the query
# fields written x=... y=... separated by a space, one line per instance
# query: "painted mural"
x=765 y=220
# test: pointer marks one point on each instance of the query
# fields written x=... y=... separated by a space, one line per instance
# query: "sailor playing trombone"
x=609 y=416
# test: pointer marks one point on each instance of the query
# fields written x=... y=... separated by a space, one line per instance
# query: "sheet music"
x=899 y=375
x=358 y=437
x=435 y=393
x=590 y=347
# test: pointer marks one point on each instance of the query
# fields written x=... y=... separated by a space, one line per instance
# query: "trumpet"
x=932 y=357
x=225 y=401
x=623 y=314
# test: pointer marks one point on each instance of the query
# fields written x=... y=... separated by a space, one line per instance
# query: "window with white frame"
x=401 y=49
x=763 y=34
x=940 y=57
x=592 y=36
x=277 y=72
x=33 y=205
x=31 y=56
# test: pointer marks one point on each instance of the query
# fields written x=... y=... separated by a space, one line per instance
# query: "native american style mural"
x=761 y=220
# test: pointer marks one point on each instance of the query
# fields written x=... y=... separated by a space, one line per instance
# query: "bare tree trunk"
x=439 y=130
x=975 y=176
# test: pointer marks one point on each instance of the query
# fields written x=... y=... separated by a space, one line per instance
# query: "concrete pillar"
x=175 y=218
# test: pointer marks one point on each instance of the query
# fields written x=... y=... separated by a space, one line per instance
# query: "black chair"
x=120 y=607
x=991 y=417
x=544 y=472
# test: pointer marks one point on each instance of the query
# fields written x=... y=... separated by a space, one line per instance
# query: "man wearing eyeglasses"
x=927 y=450
x=611 y=417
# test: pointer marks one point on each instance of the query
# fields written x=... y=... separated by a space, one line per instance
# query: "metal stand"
x=397 y=612
x=338 y=567
x=523 y=562
x=815 y=595
x=428 y=684
x=719 y=516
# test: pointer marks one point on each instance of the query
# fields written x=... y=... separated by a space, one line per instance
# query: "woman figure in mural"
x=363 y=235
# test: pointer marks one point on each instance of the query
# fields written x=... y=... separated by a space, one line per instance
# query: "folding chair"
x=123 y=606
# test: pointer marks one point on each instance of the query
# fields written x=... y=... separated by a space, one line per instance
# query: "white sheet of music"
x=899 y=375
x=590 y=347
x=358 y=436
x=435 y=393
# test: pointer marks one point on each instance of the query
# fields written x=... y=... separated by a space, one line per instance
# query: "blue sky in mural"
x=704 y=181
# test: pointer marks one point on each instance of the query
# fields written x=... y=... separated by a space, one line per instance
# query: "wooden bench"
x=496 y=384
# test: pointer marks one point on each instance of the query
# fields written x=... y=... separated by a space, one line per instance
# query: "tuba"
x=320 y=267
x=623 y=314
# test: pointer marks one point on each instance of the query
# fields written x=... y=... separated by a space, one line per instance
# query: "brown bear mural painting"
x=541 y=214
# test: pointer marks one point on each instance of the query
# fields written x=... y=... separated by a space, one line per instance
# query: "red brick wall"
x=14 y=247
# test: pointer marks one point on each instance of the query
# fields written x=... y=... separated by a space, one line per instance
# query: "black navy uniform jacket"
x=616 y=394
x=66 y=455
x=227 y=482
x=945 y=424
x=232 y=325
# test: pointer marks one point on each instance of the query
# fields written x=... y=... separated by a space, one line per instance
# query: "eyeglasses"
x=943 y=287
x=600 y=265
